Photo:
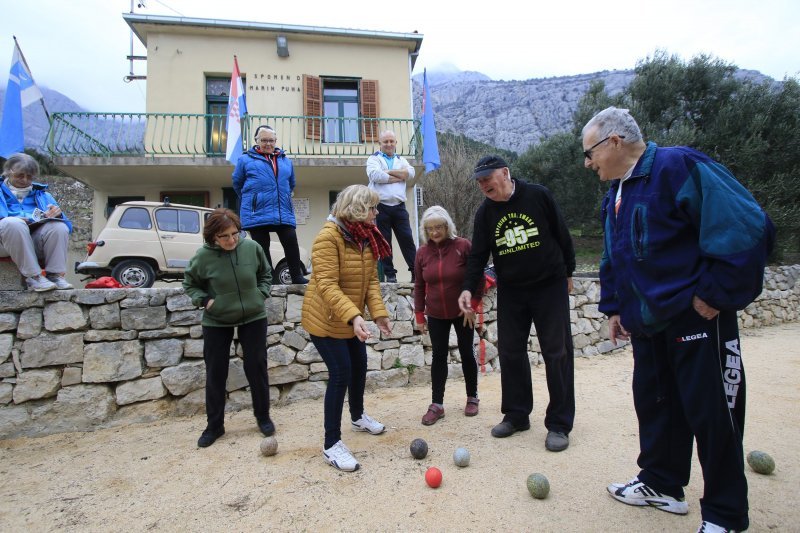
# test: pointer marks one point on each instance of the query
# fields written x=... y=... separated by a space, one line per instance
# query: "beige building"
x=328 y=93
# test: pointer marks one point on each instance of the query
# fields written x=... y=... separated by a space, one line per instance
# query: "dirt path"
x=152 y=476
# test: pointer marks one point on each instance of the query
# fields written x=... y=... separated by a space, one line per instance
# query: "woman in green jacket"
x=230 y=279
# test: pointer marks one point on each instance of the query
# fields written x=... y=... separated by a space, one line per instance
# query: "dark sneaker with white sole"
x=636 y=492
x=709 y=527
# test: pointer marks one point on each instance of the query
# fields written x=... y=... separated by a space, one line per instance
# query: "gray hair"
x=264 y=127
x=21 y=164
x=436 y=213
x=613 y=120
x=384 y=133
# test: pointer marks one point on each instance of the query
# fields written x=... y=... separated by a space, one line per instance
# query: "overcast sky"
x=79 y=47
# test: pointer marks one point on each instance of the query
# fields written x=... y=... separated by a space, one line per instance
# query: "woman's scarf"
x=20 y=192
x=362 y=231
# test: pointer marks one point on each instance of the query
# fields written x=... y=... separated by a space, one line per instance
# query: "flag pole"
x=22 y=56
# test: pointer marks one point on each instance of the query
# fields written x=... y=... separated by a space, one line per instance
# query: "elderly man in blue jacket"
x=685 y=248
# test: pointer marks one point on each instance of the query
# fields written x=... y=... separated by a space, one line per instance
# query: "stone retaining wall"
x=84 y=359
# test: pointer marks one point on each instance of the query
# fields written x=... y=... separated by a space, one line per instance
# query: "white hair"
x=437 y=212
x=613 y=120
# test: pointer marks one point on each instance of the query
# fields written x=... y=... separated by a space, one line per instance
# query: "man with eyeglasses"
x=685 y=247
x=388 y=176
x=521 y=226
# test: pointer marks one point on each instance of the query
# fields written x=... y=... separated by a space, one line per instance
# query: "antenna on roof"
x=131 y=58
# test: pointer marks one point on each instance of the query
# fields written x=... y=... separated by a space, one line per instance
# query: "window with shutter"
x=369 y=110
x=312 y=106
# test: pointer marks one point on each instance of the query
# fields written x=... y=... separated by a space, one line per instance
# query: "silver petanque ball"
x=269 y=446
x=461 y=457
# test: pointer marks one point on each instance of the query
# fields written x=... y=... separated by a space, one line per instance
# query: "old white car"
x=147 y=241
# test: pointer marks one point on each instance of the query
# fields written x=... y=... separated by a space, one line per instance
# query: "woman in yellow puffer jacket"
x=344 y=282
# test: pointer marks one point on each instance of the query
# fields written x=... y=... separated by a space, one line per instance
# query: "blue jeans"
x=347 y=372
x=395 y=218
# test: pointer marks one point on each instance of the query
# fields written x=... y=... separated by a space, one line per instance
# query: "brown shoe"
x=434 y=413
x=471 y=408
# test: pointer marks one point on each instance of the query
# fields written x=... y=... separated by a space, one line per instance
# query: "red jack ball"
x=433 y=477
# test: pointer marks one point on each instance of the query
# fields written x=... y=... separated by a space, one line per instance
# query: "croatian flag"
x=430 y=148
x=20 y=92
x=237 y=108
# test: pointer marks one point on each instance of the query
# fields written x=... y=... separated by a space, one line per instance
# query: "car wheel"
x=134 y=273
x=282 y=274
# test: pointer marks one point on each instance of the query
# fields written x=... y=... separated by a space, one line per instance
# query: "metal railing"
x=204 y=135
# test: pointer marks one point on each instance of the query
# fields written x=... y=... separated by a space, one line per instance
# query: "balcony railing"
x=196 y=135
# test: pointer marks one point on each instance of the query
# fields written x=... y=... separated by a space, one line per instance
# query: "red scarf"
x=361 y=231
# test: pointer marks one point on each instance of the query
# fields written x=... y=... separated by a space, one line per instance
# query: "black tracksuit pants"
x=547 y=306
x=216 y=350
x=688 y=383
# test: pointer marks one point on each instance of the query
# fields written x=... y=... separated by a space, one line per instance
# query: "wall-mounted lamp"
x=283 y=46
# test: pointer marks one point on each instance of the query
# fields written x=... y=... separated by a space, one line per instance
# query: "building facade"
x=328 y=93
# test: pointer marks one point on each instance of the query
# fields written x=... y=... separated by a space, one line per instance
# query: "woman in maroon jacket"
x=439 y=273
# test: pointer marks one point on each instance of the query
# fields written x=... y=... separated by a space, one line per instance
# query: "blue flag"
x=430 y=147
x=236 y=109
x=20 y=92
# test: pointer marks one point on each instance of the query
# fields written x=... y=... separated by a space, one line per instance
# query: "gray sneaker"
x=39 y=283
x=60 y=282
x=556 y=441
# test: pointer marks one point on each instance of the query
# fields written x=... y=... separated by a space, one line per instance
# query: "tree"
x=451 y=185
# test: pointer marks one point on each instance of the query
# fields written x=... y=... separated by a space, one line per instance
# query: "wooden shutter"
x=368 y=89
x=312 y=106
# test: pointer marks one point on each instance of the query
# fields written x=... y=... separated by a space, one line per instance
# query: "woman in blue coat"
x=264 y=181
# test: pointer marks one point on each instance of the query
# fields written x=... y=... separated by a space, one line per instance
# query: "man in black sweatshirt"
x=523 y=229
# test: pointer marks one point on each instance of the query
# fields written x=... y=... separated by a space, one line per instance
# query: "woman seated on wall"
x=32 y=226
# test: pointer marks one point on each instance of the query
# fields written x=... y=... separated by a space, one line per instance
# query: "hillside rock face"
x=512 y=114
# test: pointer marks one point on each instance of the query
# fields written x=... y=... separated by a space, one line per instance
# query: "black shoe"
x=556 y=441
x=506 y=429
x=299 y=281
x=391 y=278
x=266 y=427
x=209 y=436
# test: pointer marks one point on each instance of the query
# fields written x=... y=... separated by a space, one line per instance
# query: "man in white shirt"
x=388 y=174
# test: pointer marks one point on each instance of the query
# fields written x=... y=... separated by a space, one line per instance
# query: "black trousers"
x=216 y=350
x=688 y=383
x=547 y=306
x=395 y=218
x=288 y=237
x=346 y=360
x=439 y=330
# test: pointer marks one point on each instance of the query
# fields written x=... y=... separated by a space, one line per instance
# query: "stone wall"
x=84 y=359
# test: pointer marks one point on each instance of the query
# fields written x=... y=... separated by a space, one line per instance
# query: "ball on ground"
x=538 y=486
x=433 y=477
x=761 y=462
x=269 y=446
x=461 y=457
x=419 y=449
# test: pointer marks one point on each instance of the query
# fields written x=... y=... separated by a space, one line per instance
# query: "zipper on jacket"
x=441 y=283
x=638 y=230
x=236 y=279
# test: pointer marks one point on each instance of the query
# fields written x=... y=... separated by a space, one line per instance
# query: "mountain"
x=34 y=119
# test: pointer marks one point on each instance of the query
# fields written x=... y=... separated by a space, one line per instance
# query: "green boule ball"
x=761 y=462
x=538 y=486
x=461 y=457
x=419 y=449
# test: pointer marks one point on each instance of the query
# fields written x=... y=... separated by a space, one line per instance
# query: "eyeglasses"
x=436 y=227
x=588 y=153
x=227 y=236
x=268 y=141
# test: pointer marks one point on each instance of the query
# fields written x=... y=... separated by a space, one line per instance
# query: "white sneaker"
x=636 y=492
x=39 y=283
x=368 y=424
x=708 y=527
x=60 y=282
x=338 y=456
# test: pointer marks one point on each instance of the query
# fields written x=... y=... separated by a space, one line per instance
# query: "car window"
x=135 y=218
x=180 y=220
